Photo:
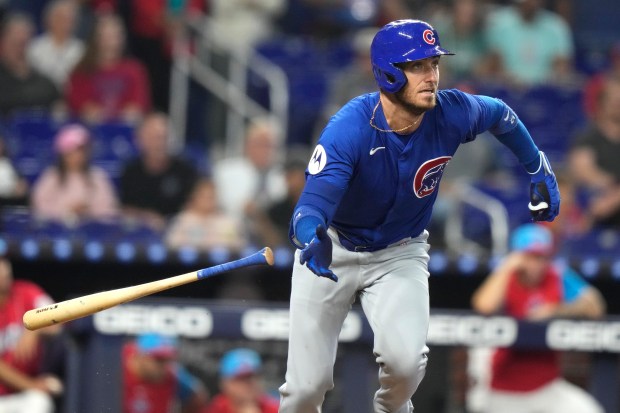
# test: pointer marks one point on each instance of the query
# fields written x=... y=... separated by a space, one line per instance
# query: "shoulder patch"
x=428 y=176
x=318 y=160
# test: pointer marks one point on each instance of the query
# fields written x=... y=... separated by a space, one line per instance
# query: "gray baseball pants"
x=393 y=286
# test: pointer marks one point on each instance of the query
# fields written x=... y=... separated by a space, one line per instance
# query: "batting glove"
x=317 y=255
x=544 y=193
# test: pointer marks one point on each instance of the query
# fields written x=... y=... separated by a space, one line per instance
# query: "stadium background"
x=71 y=261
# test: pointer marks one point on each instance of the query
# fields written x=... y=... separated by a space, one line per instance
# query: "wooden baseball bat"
x=89 y=304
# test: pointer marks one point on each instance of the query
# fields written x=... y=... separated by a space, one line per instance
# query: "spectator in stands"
x=273 y=222
x=595 y=85
x=354 y=80
x=152 y=27
x=462 y=30
x=527 y=285
x=594 y=159
x=528 y=44
x=13 y=188
x=106 y=85
x=254 y=179
x=153 y=380
x=56 y=51
x=155 y=185
x=240 y=384
x=202 y=225
x=22 y=86
x=23 y=386
x=240 y=24
x=73 y=189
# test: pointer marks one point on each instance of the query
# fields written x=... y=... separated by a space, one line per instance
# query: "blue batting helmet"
x=398 y=42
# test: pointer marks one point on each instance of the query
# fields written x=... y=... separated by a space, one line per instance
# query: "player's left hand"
x=544 y=193
x=317 y=255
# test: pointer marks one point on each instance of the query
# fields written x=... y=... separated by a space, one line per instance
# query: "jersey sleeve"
x=572 y=285
x=475 y=114
x=187 y=384
x=332 y=165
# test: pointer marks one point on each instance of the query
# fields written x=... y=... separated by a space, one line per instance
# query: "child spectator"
x=202 y=225
x=73 y=189
x=106 y=85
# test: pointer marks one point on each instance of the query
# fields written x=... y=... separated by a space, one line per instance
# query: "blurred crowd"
x=92 y=62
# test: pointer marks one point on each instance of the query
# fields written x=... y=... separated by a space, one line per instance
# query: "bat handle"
x=264 y=256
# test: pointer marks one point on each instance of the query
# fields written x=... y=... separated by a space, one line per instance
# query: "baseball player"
x=360 y=222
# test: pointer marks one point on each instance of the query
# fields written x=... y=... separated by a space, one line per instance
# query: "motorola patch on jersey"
x=428 y=176
x=318 y=160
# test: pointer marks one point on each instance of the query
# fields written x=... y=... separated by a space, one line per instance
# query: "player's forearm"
x=520 y=142
x=304 y=223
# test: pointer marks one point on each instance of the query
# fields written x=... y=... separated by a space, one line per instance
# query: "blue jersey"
x=376 y=188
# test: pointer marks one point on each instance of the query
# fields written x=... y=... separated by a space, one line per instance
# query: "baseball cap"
x=71 y=137
x=157 y=345
x=240 y=362
x=532 y=238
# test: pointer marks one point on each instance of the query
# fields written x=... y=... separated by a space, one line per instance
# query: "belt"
x=349 y=245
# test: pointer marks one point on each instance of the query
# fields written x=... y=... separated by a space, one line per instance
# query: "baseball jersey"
x=24 y=296
x=160 y=397
x=376 y=188
x=526 y=370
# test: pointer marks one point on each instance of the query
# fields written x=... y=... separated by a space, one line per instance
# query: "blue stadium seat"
x=29 y=137
x=308 y=66
x=113 y=145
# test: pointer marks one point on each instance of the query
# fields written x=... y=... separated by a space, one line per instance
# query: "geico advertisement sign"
x=472 y=330
x=584 y=335
x=187 y=321
x=265 y=324
x=197 y=322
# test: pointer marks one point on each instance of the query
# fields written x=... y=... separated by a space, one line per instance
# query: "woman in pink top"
x=73 y=189
x=106 y=85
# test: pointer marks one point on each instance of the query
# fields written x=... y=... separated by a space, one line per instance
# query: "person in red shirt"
x=106 y=85
x=241 y=387
x=528 y=285
x=23 y=389
x=154 y=382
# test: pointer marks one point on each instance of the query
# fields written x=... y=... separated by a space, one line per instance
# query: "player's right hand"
x=317 y=255
x=544 y=193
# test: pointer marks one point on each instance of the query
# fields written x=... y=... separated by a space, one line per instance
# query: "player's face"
x=420 y=92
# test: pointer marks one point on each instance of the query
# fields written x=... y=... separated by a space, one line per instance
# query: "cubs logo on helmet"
x=429 y=36
x=428 y=176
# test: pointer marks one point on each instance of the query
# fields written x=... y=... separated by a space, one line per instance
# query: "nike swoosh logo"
x=374 y=150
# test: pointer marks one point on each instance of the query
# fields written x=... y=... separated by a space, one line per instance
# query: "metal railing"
x=193 y=52
x=464 y=193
